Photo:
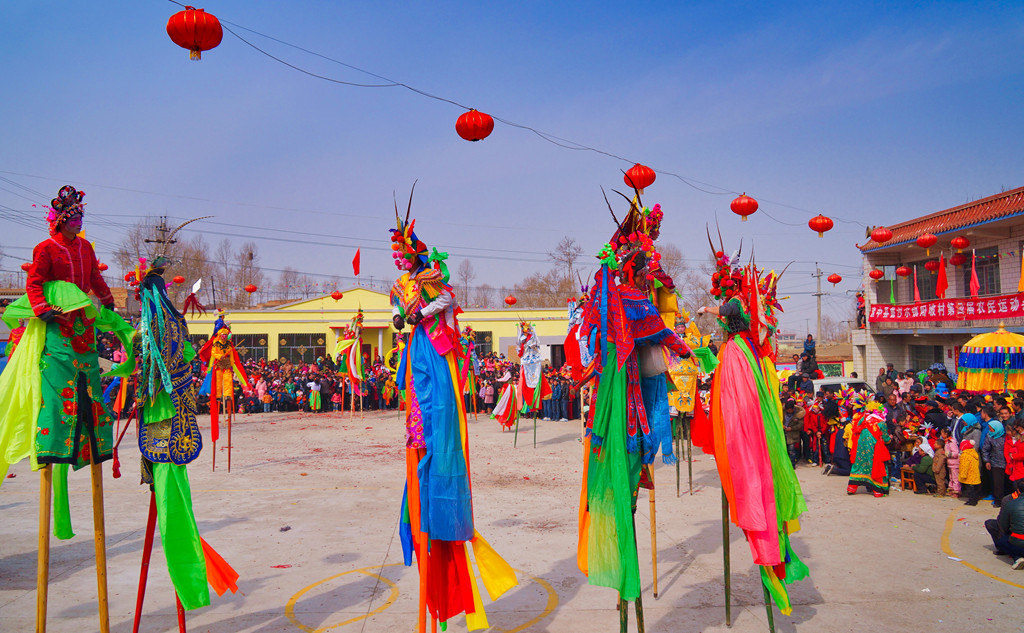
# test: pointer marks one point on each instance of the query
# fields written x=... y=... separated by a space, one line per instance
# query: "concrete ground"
x=309 y=511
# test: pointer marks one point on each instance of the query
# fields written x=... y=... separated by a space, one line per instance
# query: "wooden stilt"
x=768 y=608
x=43 y=561
x=181 y=613
x=725 y=559
x=689 y=457
x=654 y=536
x=623 y=616
x=100 y=542
x=515 y=436
x=677 y=439
x=231 y=415
x=535 y=429
x=639 y=604
x=424 y=564
x=147 y=551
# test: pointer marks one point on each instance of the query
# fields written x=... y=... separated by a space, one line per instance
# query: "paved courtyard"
x=308 y=518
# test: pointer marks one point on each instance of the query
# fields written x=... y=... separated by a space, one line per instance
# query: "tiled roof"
x=996 y=207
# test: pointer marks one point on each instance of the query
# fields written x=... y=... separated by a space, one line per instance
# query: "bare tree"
x=485 y=296
x=466 y=277
x=564 y=256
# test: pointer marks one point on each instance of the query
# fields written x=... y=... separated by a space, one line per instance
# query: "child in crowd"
x=970 y=472
x=939 y=467
x=952 y=462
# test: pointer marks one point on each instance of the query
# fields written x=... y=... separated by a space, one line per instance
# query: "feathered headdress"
x=404 y=242
x=68 y=204
x=631 y=249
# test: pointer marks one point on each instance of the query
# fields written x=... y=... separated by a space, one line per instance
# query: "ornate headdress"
x=727 y=281
x=68 y=204
x=404 y=242
x=632 y=249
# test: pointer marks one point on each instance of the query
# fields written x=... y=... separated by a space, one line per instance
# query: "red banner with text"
x=959 y=309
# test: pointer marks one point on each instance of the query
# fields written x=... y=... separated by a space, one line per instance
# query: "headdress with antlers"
x=408 y=249
x=631 y=251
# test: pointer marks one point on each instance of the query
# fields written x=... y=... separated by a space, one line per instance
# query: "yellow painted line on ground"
x=949 y=552
x=289 y=609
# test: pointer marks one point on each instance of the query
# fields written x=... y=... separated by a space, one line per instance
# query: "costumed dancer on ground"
x=51 y=407
x=744 y=432
x=629 y=422
x=169 y=439
x=223 y=366
x=866 y=438
x=437 y=507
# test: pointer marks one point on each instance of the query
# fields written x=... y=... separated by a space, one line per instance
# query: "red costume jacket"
x=58 y=259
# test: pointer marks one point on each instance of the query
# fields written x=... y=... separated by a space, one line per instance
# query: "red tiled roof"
x=994 y=207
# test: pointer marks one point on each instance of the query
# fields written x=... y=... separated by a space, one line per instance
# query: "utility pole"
x=817 y=274
x=162 y=230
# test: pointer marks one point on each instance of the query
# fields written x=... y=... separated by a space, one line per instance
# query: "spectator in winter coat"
x=993 y=458
x=793 y=425
x=809 y=346
x=939 y=467
x=1013 y=452
x=1007 y=531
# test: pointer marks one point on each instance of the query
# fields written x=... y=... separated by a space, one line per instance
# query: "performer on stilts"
x=744 y=431
x=629 y=421
x=51 y=406
x=437 y=506
x=223 y=365
x=169 y=439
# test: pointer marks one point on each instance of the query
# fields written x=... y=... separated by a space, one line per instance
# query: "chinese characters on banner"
x=964 y=308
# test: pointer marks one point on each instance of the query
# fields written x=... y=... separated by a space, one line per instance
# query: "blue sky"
x=868 y=112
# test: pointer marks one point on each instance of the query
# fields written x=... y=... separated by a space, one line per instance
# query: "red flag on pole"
x=941 y=284
x=355 y=264
x=917 y=293
x=975 y=286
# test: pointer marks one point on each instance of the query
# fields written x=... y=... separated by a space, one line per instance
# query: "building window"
x=926 y=281
x=924 y=356
x=987 y=265
x=483 y=343
x=301 y=348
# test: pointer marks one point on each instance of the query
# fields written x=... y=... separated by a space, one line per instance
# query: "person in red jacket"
x=1013 y=449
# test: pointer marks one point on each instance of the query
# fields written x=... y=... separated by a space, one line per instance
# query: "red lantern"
x=474 y=125
x=834 y=279
x=511 y=300
x=102 y=266
x=932 y=265
x=960 y=242
x=743 y=206
x=336 y=295
x=876 y=274
x=881 y=235
x=926 y=241
x=821 y=223
x=639 y=177
x=196 y=30
x=958 y=259
x=178 y=279
x=903 y=271
x=251 y=288
x=26 y=266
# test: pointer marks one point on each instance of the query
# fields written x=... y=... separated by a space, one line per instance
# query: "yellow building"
x=304 y=330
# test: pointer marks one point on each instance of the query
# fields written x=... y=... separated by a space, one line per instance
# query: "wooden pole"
x=639 y=604
x=100 y=542
x=147 y=551
x=623 y=616
x=231 y=415
x=677 y=439
x=515 y=436
x=181 y=613
x=768 y=608
x=725 y=559
x=654 y=534
x=535 y=429
x=43 y=561
x=689 y=455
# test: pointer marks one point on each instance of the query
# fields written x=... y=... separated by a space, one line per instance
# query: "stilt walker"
x=223 y=366
x=744 y=431
x=533 y=384
x=169 y=439
x=51 y=406
x=437 y=507
x=629 y=423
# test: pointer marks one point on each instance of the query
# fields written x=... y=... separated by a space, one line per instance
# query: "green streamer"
x=61 y=508
x=179 y=535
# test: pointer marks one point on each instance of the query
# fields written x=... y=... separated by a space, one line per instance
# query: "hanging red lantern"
x=26 y=266
x=511 y=300
x=932 y=265
x=639 y=177
x=834 y=279
x=251 y=288
x=821 y=223
x=958 y=259
x=881 y=235
x=474 y=125
x=178 y=279
x=744 y=206
x=876 y=274
x=960 y=243
x=196 y=30
x=926 y=241
x=903 y=271
x=336 y=295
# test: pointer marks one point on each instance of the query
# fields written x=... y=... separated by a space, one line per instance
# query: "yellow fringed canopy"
x=993 y=361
